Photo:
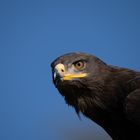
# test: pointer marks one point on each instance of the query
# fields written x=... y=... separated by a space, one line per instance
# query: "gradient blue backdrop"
x=32 y=34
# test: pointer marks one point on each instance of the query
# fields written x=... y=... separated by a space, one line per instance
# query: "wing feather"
x=132 y=106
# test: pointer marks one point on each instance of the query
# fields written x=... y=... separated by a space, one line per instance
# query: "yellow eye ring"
x=80 y=65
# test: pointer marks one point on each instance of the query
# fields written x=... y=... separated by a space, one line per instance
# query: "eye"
x=80 y=65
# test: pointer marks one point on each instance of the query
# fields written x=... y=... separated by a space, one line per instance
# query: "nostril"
x=62 y=70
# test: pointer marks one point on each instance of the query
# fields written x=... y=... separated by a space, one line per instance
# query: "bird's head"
x=79 y=77
x=74 y=68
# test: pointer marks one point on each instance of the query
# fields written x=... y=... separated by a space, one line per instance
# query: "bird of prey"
x=108 y=95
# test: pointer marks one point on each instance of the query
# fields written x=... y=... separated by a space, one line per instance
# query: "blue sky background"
x=32 y=34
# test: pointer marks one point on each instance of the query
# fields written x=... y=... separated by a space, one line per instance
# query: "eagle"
x=108 y=95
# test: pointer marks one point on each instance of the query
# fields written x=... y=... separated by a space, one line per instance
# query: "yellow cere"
x=71 y=76
x=67 y=75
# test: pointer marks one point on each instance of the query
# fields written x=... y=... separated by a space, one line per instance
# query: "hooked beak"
x=60 y=74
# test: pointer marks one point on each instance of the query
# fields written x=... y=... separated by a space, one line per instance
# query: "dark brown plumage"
x=108 y=95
